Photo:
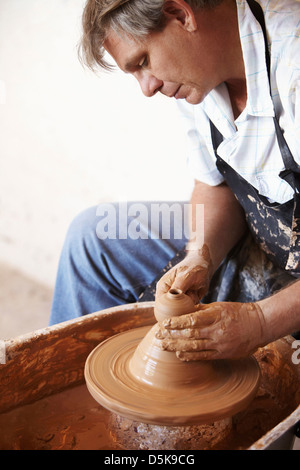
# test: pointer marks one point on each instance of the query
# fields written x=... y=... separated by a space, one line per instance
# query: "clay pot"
x=162 y=370
x=132 y=376
x=173 y=304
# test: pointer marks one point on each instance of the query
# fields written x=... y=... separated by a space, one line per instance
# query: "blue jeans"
x=95 y=273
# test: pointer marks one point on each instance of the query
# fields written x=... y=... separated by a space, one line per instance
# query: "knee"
x=84 y=223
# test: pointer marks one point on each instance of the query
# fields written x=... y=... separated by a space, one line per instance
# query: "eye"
x=143 y=62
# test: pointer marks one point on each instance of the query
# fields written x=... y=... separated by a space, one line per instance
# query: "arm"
x=224 y=220
x=224 y=225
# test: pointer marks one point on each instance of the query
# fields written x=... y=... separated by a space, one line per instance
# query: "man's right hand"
x=192 y=275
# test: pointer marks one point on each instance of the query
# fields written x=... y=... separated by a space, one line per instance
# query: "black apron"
x=268 y=257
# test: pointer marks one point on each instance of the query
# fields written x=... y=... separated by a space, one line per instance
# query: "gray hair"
x=136 y=18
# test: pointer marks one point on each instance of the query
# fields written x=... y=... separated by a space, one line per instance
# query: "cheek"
x=169 y=64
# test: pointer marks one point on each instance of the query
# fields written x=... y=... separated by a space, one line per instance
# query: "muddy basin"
x=45 y=404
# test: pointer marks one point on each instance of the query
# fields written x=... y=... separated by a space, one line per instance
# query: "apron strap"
x=216 y=138
x=260 y=17
x=291 y=173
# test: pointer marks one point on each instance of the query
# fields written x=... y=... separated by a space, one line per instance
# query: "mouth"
x=176 y=94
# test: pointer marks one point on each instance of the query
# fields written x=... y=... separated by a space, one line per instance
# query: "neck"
x=221 y=28
x=237 y=90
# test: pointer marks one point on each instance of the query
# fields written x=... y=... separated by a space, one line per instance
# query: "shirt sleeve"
x=201 y=160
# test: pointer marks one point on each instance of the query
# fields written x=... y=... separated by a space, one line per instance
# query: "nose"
x=149 y=84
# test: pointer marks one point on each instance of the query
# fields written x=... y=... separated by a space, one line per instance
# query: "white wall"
x=70 y=139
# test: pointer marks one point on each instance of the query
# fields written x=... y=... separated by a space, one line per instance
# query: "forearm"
x=224 y=220
x=282 y=312
x=224 y=224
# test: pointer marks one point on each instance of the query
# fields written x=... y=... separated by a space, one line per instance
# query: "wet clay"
x=173 y=304
x=131 y=375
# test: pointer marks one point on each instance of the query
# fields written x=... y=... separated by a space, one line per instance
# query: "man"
x=215 y=58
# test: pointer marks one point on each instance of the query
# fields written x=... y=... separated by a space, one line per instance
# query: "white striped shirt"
x=250 y=145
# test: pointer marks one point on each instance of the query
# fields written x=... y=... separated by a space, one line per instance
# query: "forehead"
x=125 y=50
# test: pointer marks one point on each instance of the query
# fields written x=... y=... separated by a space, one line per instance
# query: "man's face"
x=175 y=62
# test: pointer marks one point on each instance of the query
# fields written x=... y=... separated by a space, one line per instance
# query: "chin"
x=194 y=98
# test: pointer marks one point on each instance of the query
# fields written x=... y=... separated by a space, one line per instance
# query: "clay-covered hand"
x=220 y=330
x=192 y=275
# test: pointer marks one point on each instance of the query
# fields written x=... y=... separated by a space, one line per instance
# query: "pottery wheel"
x=163 y=390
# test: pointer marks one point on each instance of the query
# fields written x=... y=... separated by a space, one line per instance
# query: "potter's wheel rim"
x=169 y=413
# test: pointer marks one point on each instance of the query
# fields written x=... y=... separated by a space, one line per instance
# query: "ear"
x=180 y=11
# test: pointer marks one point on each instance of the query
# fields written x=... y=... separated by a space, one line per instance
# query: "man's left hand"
x=220 y=330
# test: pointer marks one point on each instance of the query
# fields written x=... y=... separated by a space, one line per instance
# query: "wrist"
x=201 y=256
x=281 y=311
x=262 y=334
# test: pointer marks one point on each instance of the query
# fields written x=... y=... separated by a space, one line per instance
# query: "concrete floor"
x=24 y=303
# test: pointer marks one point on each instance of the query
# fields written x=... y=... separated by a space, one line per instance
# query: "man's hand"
x=192 y=275
x=220 y=330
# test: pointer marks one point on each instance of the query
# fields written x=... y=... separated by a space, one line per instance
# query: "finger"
x=188 y=281
x=198 y=319
x=163 y=285
x=190 y=277
x=188 y=333
x=184 y=345
x=199 y=306
x=205 y=355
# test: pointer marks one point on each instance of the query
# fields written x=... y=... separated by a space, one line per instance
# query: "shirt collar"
x=259 y=101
